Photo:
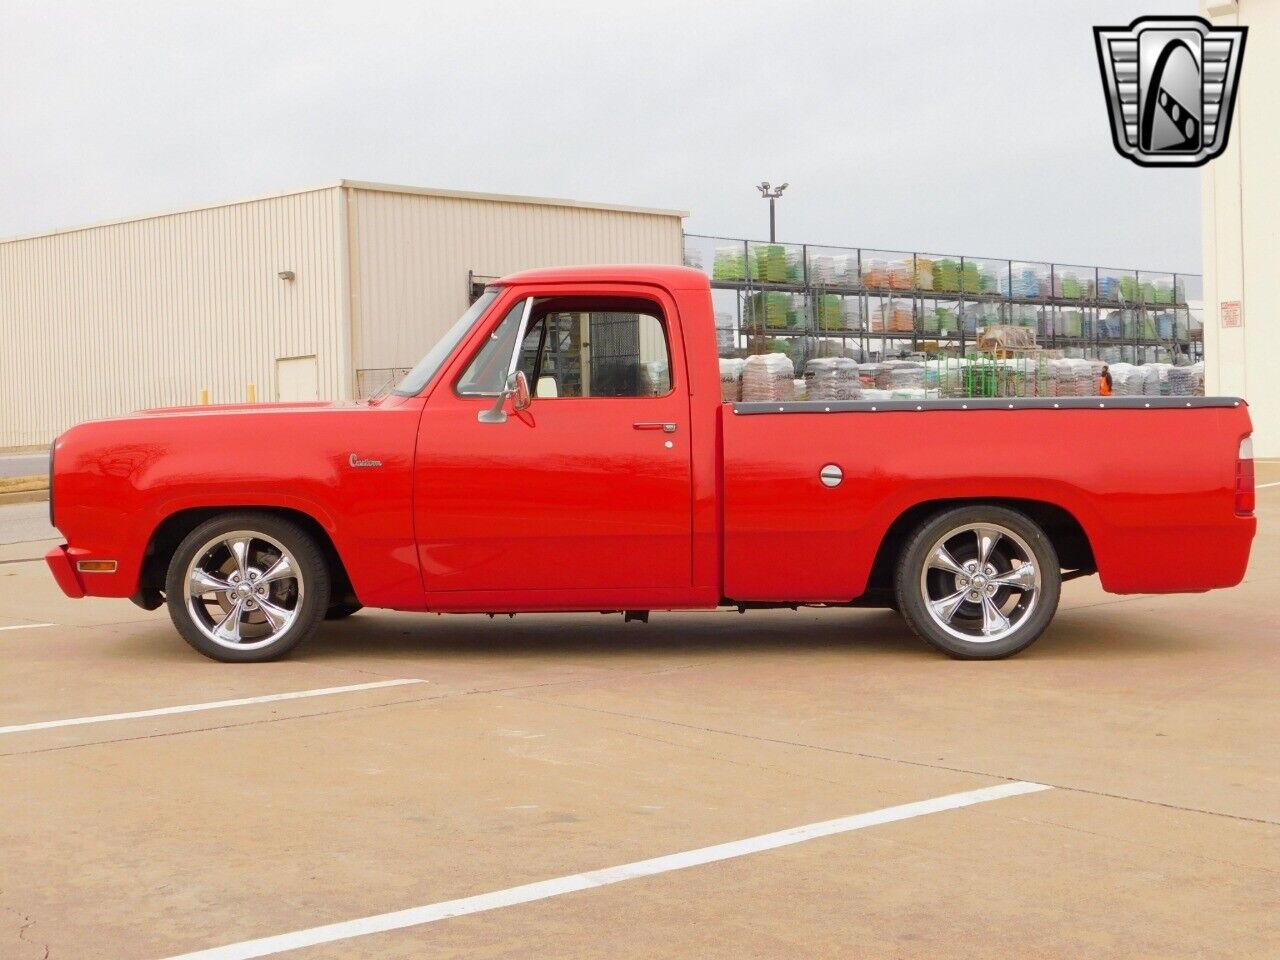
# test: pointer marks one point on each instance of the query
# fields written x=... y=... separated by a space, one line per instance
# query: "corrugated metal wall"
x=144 y=313
x=411 y=254
x=141 y=313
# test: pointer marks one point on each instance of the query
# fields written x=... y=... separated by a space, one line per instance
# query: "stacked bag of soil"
x=900 y=375
x=1128 y=380
x=832 y=378
x=768 y=377
x=731 y=379
x=1187 y=381
x=1072 y=378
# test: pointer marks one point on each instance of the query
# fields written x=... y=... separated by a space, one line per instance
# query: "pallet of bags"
x=1095 y=376
x=893 y=316
x=845 y=270
x=730 y=264
x=875 y=272
x=771 y=262
x=901 y=375
x=923 y=273
x=946 y=274
x=1160 y=381
x=828 y=308
x=768 y=377
x=832 y=378
x=851 y=313
x=1126 y=380
x=1182 y=382
x=868 y=374
x=906 y=378
x=1088 y=377
x=900 y=274
x=726 y=335
x=731 y=379
x=1151 y=382
x=1060 y=378
x=771 y=309
x=822 y=270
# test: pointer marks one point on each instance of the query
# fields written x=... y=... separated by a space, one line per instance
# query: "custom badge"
x=1171 y=85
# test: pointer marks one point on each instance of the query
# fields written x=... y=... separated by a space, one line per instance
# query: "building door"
x=582 y=498
x=297 y=379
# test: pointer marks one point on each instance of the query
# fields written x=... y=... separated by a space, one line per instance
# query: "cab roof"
x=673 y=278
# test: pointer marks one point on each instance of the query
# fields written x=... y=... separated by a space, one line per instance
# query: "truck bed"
x=1155 y=481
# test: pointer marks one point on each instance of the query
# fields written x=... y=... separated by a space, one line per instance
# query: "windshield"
x=420 y=375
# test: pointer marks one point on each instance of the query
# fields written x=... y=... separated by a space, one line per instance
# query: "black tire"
x=911 y=571
x=310 y=586
x=342 y=610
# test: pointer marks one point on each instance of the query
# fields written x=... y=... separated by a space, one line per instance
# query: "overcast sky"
x=965 y=126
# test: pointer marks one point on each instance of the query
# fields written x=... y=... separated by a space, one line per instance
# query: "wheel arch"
x=174 y=528
x=1064 y=530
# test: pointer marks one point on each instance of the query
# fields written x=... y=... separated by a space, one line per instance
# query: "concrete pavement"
x=24 y=522
x=549 y=745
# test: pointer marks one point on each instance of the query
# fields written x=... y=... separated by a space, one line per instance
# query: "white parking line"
x=512 y=896
x=1262 y=486
x=29 y=626
x=196 y=707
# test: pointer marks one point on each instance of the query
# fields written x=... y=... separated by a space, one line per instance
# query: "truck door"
x=582 y=498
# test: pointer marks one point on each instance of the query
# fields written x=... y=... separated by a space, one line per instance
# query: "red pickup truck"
x=565 y=447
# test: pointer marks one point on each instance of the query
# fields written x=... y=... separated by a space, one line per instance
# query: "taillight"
x=1244 y=478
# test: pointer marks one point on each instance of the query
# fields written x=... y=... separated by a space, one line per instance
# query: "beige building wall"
x=412 y=250
x=149 y=312
x=1241 y=208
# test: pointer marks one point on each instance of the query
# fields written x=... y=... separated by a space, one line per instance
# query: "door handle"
x=647 y=425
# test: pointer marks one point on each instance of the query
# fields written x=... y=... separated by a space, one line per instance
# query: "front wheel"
x=979 y=583
x=247 y=587
x=342 y=609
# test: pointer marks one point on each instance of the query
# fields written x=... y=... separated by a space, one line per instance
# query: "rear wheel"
x=979 y=583
x=247 y=587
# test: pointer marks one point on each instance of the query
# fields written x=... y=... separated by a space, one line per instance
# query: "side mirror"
x=519 y=390
x=517 y=387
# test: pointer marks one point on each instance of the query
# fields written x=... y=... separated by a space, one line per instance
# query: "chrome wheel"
x=980 y=582
x=244 y=590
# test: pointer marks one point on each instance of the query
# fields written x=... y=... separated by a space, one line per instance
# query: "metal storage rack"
x=820 y=299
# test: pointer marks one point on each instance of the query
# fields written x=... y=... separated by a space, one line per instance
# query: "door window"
x=590 y=349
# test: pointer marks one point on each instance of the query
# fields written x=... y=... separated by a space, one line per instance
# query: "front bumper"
x=63 y=569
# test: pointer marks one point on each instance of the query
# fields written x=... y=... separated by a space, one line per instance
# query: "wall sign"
x=1229 y=310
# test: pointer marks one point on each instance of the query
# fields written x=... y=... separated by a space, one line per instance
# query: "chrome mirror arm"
x=497 y=413
x=517 y=386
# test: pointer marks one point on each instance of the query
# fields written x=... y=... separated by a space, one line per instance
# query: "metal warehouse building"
x=318 y=293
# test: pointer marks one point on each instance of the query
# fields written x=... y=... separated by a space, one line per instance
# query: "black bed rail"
x=986 y=403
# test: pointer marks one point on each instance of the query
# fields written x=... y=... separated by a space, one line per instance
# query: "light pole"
x=771 y=195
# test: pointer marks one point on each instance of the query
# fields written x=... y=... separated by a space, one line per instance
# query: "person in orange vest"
x=1104 y=388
